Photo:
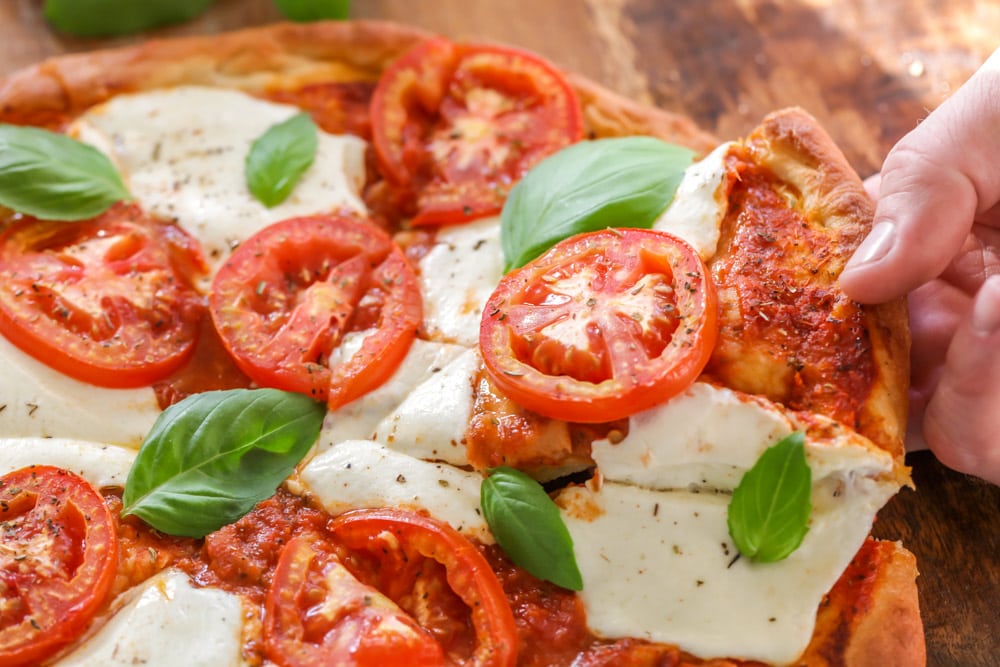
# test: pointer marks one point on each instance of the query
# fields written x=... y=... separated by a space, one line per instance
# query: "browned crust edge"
x=794 y=145
x=891 y=634
x=288 y=55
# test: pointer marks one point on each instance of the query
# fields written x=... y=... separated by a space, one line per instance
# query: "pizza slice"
x=377 y=547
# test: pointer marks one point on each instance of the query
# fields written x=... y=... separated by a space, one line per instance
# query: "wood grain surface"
x=868 y=69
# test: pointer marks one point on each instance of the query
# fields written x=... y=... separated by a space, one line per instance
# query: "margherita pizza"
x=344 y=344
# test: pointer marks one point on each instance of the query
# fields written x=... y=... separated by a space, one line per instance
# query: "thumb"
x=963 y=415
x=933 y=183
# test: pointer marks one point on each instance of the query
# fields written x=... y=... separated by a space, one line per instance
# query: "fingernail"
x=986 y=308
x=875 y=246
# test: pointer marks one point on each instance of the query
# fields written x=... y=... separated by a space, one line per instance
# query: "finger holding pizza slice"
x=653 y=330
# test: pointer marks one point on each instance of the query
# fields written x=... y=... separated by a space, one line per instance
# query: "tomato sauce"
x=338 y=108
x=779 y=301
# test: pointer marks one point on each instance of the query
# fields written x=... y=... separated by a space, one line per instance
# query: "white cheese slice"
x=430 y=423
x=167 y=622
x=457 y=276
x=660 y=565
x=653 y=543
x=364 y=474
x=36 y=400
x=100 y=464
x=708 y=436
x=358 y=419
x=700 y=204
x=182 y=150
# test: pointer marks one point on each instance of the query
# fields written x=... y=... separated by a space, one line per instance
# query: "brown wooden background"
x=868 y=69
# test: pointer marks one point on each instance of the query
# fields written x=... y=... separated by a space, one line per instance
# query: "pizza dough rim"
x=799 y=151
x=288 y=55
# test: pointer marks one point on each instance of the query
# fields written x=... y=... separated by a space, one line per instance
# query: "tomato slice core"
x=290 y=298
x=407 y=545
x=109 y=301
x=58 y=559
x=317 y=614
x=460 y=124
x=601 y=326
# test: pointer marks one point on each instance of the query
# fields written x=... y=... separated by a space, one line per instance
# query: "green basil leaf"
x=528 y=527
x=103 y=18
x=769 y=512
x=51 y=176
x=314 y=10
x=210 y=458
x=624 y=182
x=279 y=157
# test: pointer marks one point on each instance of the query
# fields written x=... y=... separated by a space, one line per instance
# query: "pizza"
x=362 y=346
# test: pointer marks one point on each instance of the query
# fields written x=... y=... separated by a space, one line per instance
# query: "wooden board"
x=868 y=69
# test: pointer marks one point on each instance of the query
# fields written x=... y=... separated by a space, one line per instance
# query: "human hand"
x=936 y=236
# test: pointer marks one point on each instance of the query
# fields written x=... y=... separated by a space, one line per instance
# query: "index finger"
x=933 y=184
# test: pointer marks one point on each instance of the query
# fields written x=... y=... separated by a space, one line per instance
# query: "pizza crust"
x=799 y=151
x=283 y=56
x=290 y=55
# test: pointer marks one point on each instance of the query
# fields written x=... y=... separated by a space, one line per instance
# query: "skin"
x=936 y=237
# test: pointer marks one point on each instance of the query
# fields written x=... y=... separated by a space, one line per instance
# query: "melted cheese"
x=181 y=152
x=653 y=543
x=457 y=276
x=360 y=473
x=661 y=566
x=166 y=621
x=358 y=420
x=100 y=464
x=39 y=401
x=431 y=422
x=700 y=204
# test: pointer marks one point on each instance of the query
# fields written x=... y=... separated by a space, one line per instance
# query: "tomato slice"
x=58 y=559
x=287 y=297
x=408 y=549
x=109 y=301
x=318 y=614
x=460 y=124
x=601 y=326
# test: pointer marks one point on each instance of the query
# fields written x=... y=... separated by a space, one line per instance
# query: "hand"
x=936 y=236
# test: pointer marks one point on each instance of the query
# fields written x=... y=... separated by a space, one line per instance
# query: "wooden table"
x=868 y=69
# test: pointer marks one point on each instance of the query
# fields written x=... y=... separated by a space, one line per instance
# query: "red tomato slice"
x=408 y=548
x=460 y=124
x=318 y=614
x=58 y=559
x=288 y=295
x=109 y=301
x=601 y=326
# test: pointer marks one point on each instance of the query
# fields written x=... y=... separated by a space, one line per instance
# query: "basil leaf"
x=102 y=18
x=528 y=527
x=624 y=182
x=51 y=176
x=279 y=157
x=210 y=458
x=769 y=512
x=312 y=10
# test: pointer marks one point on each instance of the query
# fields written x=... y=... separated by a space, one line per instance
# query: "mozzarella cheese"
x=457 y=276
x=100 y=464
x=661 y=566
x=36 y=400
x=431 y=422
x=358 y=419
x=166 y=621
x=700 y=204
x=181 y=152
x=360 y=473
x=653 y=544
